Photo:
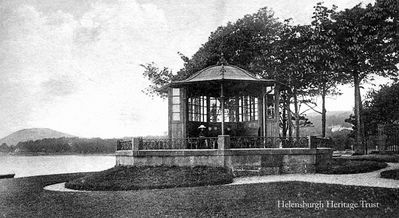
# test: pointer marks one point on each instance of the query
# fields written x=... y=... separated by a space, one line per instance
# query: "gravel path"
x=371 y=179
x=60 y=187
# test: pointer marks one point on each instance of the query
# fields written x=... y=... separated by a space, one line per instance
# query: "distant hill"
x=335 y=122
x=32 y=134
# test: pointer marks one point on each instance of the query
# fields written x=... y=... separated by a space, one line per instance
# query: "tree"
x=241 y=43
x=286 y=63
x=367 y=40
x=381 y=107
x=158 y=78
x=4 y=148
x=323 y=58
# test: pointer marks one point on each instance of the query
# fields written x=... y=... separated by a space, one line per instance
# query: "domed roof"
x=219 y=73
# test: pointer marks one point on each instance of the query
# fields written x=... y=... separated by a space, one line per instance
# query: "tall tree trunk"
x=284 y=116
x=296 y=114
x=357 y=110
x=362 y=130
x=323 y=111
x=289 y=115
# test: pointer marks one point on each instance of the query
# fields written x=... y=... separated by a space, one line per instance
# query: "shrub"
x=133 y=178
x=345 y=166
x=390 y=174
x=374 y=157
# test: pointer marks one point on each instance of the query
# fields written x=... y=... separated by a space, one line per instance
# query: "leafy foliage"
x=4 y=148
x=68 y=145
x=323 y=59
x=367 y=40
x=158 y=77
x=381 y=107
x=248 y=39
x=241 y=43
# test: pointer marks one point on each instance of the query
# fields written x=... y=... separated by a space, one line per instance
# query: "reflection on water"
x=24 y=166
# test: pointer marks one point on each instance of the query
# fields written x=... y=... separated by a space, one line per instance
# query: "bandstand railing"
x=166 y=143
x=123 y=145
x=318 y=142
x=268 y=142
x=179 y=143
x=236 y=142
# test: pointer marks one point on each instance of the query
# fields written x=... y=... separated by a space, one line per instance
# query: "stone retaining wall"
x=263 y=160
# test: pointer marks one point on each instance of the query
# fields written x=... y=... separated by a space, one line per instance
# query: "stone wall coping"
x=226 y=152
x=278 y=151
x=124 y=153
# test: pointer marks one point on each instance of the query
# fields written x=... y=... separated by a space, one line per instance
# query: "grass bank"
x=134 y=178
x=349 y=166
x=25 y=197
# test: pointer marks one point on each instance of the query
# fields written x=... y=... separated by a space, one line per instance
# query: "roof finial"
x=222 y=62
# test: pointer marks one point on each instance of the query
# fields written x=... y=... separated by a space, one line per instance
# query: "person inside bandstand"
x=202 y=143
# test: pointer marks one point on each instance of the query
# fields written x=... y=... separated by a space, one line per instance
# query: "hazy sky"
x=73 y=65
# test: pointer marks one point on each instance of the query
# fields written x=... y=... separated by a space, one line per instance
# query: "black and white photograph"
x=199 y=108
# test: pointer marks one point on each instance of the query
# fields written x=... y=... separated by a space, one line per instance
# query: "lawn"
x=24 y=197
x=134 y=178
x=349 y=166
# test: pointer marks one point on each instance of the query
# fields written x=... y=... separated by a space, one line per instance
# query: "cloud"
x=85 y=35
x=82 y=75
x=60 y=86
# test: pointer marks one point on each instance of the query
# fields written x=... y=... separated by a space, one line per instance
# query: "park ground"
x=25 y=197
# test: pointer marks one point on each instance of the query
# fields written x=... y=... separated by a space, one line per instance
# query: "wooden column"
x=222 y=105
x=264 y=112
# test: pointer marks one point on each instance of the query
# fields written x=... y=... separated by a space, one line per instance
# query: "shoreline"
x=55 y=154
x=23 y=165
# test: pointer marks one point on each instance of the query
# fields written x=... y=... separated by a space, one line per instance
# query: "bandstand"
x=227 y=100
x=226 y=116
